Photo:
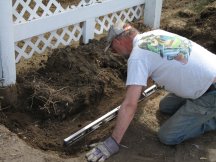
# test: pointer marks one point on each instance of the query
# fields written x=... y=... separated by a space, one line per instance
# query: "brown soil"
x=74 y=86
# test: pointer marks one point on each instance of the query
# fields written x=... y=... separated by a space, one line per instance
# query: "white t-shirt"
x=188 y=76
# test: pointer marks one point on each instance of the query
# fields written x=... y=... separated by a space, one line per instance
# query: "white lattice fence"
x=30 y=10
x=38 y=44
x=35 y=25
x=27 y=10
x=103 y=23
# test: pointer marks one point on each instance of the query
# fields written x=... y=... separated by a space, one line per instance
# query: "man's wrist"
x=111 y=145
x=114 y=140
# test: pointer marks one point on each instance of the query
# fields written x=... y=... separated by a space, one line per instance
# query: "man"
x=182 y=67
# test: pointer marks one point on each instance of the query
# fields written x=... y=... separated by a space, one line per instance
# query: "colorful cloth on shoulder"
x=170 y=47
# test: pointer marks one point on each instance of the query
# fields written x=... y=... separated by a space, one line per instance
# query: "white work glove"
x=103 y=150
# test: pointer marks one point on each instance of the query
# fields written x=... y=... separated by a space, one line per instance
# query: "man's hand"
x=103 y=150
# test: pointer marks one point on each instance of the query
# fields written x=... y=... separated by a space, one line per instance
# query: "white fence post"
x=7 y=54
x=88 y=30
x=152 y=13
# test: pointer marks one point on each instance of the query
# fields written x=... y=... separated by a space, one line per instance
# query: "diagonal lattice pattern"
x=103 y=23
x=38 y=44
x=27 y=10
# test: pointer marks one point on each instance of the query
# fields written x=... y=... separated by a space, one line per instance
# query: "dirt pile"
x=73 y=88
x=72 y=80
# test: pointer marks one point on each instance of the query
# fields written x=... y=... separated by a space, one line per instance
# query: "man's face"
x=122 y=46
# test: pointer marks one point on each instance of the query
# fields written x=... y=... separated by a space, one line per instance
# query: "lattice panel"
x=103 y=23
x=64 y=36
x=27 y=10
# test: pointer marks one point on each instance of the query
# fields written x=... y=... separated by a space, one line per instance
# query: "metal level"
x=103 y=119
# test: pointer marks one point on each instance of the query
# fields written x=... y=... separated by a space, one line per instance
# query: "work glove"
x=103 y=150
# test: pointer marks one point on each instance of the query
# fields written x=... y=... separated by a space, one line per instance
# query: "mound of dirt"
x=72 y=80
x=73 y=88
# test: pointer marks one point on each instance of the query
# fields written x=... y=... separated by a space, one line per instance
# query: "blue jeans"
x=190 y=118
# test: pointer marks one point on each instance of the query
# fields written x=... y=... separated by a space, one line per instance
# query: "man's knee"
x=171 y=103
x=169 y=139
x=163 y=105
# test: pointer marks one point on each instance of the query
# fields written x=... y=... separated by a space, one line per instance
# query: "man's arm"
x=127 y=111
